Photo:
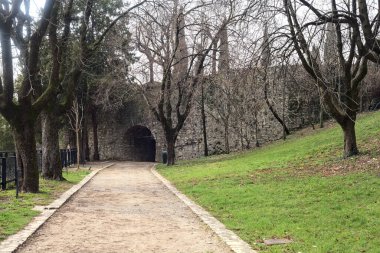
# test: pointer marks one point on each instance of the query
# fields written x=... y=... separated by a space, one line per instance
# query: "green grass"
x=299 y=189
x=16 y=213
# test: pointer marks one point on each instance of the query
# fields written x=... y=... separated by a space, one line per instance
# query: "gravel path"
x=124 y=208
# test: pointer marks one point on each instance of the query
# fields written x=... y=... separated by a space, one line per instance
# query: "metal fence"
x=11 y=173
x=68 y=157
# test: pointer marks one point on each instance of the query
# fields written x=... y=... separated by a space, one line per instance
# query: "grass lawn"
x=16 y=213
x=298 y=189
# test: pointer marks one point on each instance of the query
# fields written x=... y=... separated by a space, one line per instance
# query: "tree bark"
x=83 y=142
x=77 y=136
x=204 y=123
x=96 y=156
x=241 y=136
x=352 y=71
x=20 y=167
x=257 y=135
x=77 y=141
x=170 y=141
x=51 y=158
x=350 y=147
x=275 y=114
x=86 y=144
x=257 y=144
x=226 y=138
x=321 y=112
x=26 y=147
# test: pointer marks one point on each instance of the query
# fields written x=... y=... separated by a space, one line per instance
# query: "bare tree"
x=168 y=35
x=362 y=16
x=268 y=74
x=204 y=119
x=75 y=117
x=249 y=103
x=224 y=88
x=343 y=105
x=221 y=103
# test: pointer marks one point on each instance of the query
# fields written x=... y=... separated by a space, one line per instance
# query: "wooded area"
x=66 y=61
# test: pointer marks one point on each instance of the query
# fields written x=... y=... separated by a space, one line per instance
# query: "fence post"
x=3 y=173
x=68 y=153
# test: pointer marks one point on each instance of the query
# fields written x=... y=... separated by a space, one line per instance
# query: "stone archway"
x=140 y=144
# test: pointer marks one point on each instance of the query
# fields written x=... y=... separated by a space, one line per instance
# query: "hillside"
x=299 y=189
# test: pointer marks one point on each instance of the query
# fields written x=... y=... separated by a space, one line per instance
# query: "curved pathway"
x=124 y=208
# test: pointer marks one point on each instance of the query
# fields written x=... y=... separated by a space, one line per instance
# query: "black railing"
x=11 y=173
x=68 y=157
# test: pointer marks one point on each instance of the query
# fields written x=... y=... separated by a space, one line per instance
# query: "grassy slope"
x=16 y=213
x=299 y=189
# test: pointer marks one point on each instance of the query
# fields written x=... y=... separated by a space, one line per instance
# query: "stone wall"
x=113 y=127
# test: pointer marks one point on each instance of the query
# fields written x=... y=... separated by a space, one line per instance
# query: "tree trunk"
x=271 y=108
x=256 y=129
x=96 y=156
x=226 y=138
x=321 y=123
x=204 y=123
x=77 y=140
x=83 y=146
x=257 y=134
x=20 y=167
x=86 y=144
x=26 y=147
x=214 y=57
x=171 y=150
x=284 y=128
x=241 y=136
x=51 y=158
x=350 y=147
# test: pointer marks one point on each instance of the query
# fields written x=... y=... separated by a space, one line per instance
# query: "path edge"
x=13 y=242
x=236 y=244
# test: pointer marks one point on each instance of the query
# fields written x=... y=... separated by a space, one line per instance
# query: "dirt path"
x=124 y=209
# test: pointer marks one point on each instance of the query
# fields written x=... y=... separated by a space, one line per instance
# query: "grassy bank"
x=299 y=189
x=16 y=213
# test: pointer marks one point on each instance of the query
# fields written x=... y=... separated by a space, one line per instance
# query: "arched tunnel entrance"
x=140 y=144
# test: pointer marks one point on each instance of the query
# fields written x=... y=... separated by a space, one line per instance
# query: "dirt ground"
x=125 y=208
